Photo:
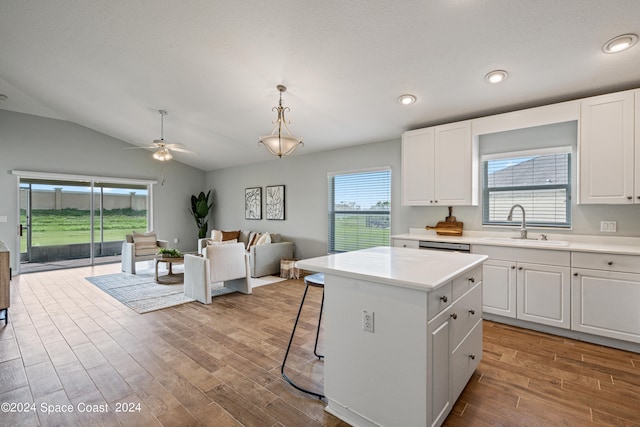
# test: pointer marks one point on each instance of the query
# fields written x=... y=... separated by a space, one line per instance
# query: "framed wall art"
x=275 y=202
x=253 y=203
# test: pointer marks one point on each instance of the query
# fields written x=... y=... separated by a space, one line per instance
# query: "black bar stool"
x=316 y=280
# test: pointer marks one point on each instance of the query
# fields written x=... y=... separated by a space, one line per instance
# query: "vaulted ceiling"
x=214 y=65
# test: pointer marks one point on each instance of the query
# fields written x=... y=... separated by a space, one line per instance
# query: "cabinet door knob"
x=629 y=197
x=609 y=262
x=519 y=268
x=575 y=274
x=513 y=267
x=472 y=356
x=472 y=280
x=472 y=312
x=444 y=298
x=454 y=316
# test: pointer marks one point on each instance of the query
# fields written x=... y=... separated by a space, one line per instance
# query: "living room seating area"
x=264 y=250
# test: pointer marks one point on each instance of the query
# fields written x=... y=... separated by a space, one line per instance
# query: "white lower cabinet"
x=606 y=295
x=454 y=344
x=406 y=243
x=499 y=287
x=544 y=294
x=527 y=284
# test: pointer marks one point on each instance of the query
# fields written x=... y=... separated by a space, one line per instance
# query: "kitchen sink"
x=525 y=242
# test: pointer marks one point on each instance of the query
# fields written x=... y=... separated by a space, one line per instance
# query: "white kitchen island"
x=425 y=309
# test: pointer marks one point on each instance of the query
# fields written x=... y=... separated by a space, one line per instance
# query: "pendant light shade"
x=280 y=142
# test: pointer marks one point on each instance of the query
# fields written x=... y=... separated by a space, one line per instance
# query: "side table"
x=288 y=269
x=170 y=278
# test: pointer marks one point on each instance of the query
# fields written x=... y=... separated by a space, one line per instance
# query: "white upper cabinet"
x=439 y=166
x=417 y=167
x=606 y=150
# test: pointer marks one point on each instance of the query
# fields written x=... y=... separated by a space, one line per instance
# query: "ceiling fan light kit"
x=280 y=143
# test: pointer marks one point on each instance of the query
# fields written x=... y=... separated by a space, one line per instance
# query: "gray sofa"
x=264 y=260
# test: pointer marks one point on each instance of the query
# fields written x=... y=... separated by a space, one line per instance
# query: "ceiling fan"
x=163 y=148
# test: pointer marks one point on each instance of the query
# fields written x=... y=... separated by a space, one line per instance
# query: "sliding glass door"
x=67 y=223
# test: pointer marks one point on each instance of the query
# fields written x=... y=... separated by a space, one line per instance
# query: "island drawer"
x=607 y=262
x=467 y=281
x=465 y=313
x=465 y=359
x=439 y=299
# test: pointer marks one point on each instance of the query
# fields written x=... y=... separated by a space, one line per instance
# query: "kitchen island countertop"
x=409 y=268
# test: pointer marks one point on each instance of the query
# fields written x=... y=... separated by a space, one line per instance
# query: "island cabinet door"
x=438 y=369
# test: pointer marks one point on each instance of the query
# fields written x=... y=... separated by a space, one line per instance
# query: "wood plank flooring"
x=68 y=343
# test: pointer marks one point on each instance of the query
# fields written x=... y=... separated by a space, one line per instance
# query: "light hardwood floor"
x=68 y=343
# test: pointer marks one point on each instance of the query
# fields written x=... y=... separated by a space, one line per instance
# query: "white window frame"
x=527 y=153
x=331 y=212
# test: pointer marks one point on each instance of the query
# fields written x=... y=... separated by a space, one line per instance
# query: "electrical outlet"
x=176 y=240
x=367 y=320
x=608 y=226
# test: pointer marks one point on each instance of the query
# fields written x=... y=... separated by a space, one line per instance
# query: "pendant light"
x=280 y=143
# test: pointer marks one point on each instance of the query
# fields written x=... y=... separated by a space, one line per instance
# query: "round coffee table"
x=169 y=278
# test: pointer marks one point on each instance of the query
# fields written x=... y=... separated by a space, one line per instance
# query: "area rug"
x=142 y=294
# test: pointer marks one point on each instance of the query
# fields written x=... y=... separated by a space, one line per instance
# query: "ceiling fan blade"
x=181 y=150
x=140 y=148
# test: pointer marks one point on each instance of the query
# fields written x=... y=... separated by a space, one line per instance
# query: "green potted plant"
x=200 y=209
x=170 y=253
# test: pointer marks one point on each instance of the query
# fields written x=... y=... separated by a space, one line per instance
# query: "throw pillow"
x=230 y=235
x=265 y=239
x=216 y=235
x=225 y=242
x=145 y=243
x=253 y=239
x=275 y=237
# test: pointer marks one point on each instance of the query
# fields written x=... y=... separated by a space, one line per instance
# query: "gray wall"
x=305 y=178
x=46 y=145
x=40 y=144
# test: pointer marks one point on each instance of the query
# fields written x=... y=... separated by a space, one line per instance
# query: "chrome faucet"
x=523 y=227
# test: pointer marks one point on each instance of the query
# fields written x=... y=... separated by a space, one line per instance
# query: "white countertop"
x=578 y=243
x=409 y=268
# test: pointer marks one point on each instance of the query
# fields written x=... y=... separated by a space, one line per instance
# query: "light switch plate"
x=608 y=226
x=3 y=218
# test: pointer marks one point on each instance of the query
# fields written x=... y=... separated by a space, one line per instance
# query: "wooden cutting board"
x=447 y=228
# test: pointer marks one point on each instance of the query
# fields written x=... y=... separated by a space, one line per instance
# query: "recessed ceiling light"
x=407 y=99
x=620 y=43
x=496 y=76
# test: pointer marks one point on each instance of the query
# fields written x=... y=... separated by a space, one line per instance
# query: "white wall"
x=305 y=178
x=40 y=144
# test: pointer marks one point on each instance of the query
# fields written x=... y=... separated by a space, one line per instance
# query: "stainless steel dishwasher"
x=444 y=246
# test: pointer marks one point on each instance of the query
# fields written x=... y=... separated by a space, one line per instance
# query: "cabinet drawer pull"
x=609 y=262
x=513 y=267
x=444 y=298
x=629 y=197
x=519 y=268
x=472 y=280
x=575 y=274
x=454 y=316
x=472 y=312
x=472 y=356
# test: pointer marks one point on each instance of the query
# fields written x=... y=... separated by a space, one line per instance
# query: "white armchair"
x=140 y=247
x=226 y=263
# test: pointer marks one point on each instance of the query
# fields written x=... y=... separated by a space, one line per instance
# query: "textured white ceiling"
x=214 y=65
